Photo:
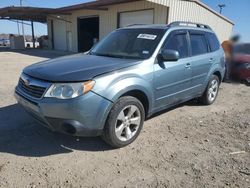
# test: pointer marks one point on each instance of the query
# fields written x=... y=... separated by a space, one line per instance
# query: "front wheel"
x=124 y=122
x=211 y=92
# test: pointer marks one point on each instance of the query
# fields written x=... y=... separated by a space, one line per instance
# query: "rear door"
x=216 y=51
x=172 y=79
x=201 y=60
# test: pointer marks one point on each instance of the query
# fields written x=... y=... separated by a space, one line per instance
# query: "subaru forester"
x=131 y=74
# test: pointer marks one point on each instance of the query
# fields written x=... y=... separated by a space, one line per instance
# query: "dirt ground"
x=188 y=146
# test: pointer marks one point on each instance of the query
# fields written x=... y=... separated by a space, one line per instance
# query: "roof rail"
x=189 y=24
x=134 y=25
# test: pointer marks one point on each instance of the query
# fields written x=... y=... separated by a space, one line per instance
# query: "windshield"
x=242 y=49
x=129 y=43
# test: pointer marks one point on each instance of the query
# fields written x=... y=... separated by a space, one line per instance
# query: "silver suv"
x=131 y=74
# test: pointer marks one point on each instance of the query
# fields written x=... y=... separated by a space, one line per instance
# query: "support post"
x=18 y=28
x=21 y=4
x=33 y=34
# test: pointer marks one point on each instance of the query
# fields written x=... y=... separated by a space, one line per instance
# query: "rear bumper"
x=82 y=116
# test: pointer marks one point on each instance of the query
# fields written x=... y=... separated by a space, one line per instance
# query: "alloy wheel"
x=127 y=123
x=213 y=90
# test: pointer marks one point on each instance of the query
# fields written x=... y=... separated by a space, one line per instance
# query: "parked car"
x=4 y=42
x=241 y=62
x=131 y=74
x=30 y=44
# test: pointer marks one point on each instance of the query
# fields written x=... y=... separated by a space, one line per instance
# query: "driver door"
x=172 y=79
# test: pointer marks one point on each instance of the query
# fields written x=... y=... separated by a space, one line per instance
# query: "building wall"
x=49 y=30
x=60 y=39
x=61 y=26
x=181 y=10
x=173 y=10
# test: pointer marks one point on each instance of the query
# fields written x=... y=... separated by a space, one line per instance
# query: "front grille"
x=31 y=90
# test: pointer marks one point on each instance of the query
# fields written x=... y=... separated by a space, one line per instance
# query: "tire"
x=116 y=131
x=211 y=92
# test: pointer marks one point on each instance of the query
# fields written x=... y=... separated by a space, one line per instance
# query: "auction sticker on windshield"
x=147 y=36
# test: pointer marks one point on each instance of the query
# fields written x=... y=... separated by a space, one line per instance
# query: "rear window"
x=198 y=44
x=213 y=42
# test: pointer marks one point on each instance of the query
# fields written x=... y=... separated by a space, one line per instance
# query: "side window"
x=198 y=44
x=213 y=42
x=179 y=43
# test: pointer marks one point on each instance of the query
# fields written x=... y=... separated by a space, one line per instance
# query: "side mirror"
x=169 y=55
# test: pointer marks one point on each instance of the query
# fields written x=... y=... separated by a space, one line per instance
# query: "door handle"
x=211 y=59
x=188 y=65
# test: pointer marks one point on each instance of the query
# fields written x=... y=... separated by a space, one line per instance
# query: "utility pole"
x=21 y=4
x=18 y=29
x=221 y=6
x=33 y=35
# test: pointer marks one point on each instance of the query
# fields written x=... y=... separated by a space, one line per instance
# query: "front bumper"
x=241 y=73
x=244 y=74
x=82 y=116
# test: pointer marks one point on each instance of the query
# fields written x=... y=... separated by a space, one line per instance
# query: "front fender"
x=113 y=90
x=130 y=84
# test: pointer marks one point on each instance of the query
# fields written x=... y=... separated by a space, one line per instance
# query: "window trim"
x=178 y=32
x=207 y=38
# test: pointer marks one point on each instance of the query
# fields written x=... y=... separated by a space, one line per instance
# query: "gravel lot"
x=187 y=146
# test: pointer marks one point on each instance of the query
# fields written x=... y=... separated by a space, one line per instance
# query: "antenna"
x=221 y=6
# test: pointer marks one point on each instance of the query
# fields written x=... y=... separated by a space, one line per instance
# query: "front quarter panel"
x=139 y=77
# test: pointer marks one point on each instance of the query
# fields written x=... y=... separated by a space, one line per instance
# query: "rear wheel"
x=211 y=92
x=124 y=122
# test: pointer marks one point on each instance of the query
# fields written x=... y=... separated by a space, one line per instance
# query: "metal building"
x=86 y=22
x=75 y=28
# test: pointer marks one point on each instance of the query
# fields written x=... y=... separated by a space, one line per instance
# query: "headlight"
x=247 y=65
x=69 y=90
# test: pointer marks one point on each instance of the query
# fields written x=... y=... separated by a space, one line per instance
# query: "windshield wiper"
x=115 y=56
x=108 y=55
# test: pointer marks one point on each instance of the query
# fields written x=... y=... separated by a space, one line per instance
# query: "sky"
x=236 y=10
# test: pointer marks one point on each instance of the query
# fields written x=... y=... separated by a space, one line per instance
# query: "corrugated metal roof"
x=26 y=13
x=39 y=14
x=101 y=3
x=94 y=5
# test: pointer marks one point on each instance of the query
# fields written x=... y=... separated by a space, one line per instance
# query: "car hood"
x=79 y=67
x=242 y=58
